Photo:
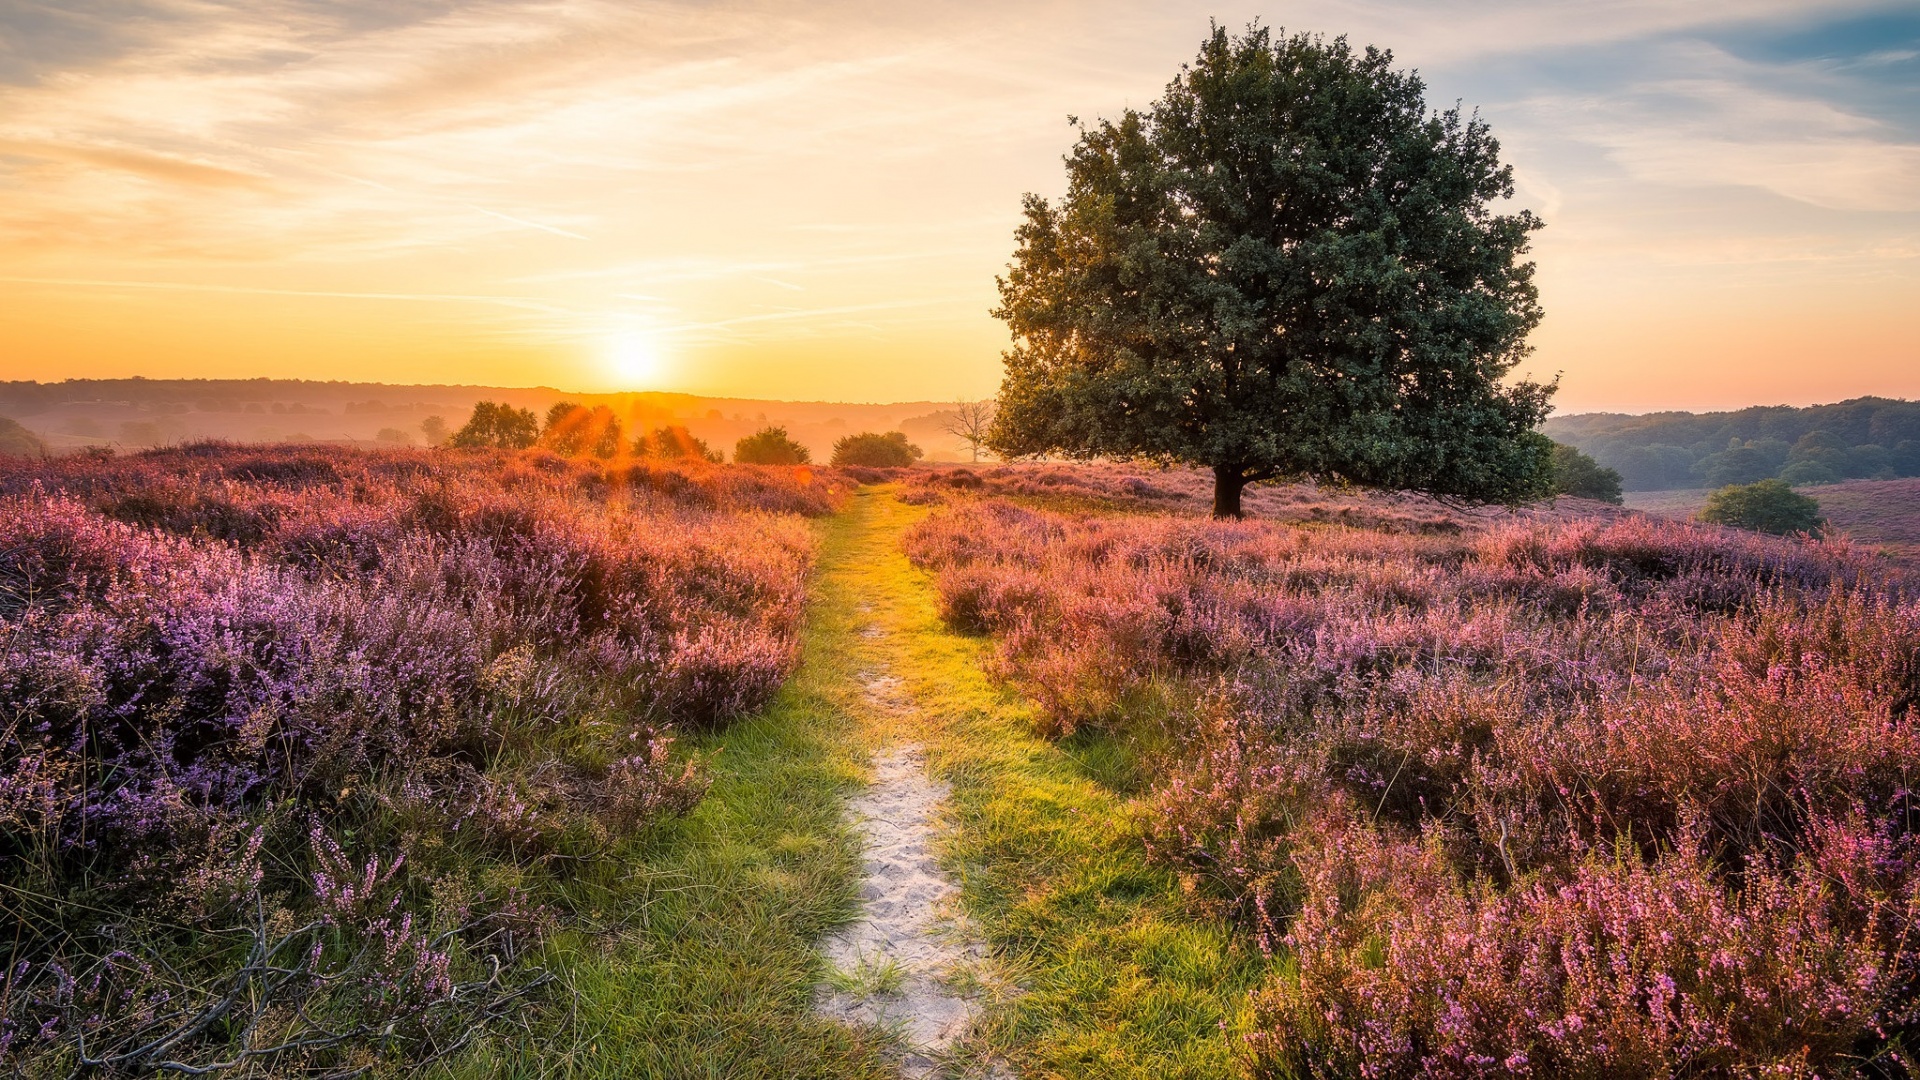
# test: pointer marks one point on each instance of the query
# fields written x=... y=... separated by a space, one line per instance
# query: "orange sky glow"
x=811 y=201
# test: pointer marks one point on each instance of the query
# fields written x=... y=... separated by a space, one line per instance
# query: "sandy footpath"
x=908 y=963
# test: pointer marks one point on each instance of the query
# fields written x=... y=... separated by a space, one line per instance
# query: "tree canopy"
x=1576 y=474
x=1286 y=267
x=676 y=443
x=770 y=446
x=1862 y=438
x=578 y=431
x=874 y=449
x=494 y=424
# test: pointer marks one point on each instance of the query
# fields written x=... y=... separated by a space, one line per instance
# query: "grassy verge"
x=1120 y=978
x=705 y=963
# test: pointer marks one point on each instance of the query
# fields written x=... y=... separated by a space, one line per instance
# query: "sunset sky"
x=810 y=201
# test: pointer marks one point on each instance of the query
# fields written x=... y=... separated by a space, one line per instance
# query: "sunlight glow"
x=637 y=360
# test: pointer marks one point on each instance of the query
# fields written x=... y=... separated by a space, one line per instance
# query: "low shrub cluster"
x=1609 y=797
x=298 y=745
x=1768 y=506
x=874 y=450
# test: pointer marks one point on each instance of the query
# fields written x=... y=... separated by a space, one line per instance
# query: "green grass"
x=868 y=978
x=708 y=964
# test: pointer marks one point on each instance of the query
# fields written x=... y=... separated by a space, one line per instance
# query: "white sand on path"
x=904 y=965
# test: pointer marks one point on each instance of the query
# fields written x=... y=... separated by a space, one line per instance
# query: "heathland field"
x=1883 y=514
x=316 y=760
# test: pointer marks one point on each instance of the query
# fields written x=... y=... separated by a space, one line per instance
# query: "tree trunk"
x=1228 y=483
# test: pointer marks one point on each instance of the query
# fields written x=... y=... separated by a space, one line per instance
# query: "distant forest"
x=1865 y=438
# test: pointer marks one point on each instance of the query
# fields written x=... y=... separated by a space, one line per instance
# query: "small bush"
x=770 y=446
x=875 y=450
x=1768 y=506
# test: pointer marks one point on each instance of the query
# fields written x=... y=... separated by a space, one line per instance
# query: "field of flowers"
x=1550 y=796
x=299 y=746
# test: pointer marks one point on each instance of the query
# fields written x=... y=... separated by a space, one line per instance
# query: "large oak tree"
x=1287 y=267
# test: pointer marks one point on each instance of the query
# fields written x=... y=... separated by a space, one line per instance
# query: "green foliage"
x=1769 y=506
x=1741 y=463
x=18 y=441
x=1808 y=474
x=1859 y=438
x=497 y=425
x=675 y=443
x=873 y=449
x=1576 y=474
x=435 y=430
x=1287 y=267
x=770 y=446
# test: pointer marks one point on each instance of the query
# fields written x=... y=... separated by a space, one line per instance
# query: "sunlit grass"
x=708 y=965
x=1117 y=976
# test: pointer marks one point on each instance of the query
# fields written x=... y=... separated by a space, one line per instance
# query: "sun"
x=636 y=358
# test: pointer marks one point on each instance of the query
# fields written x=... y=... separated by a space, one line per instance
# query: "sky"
x=812 y=200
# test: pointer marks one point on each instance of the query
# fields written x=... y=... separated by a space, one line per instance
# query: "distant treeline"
x=1865 y=438
x=212 y=395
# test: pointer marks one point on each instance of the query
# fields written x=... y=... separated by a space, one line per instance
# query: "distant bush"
x=17 y=440
x=675 y=443
x=1768 y=506
x=875 y=450
x=1576 y=474
x=770 y=446
x=497 y=426
x=394 y=435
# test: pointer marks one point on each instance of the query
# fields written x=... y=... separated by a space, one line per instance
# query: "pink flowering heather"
x=1534 y=795
x=266 y=688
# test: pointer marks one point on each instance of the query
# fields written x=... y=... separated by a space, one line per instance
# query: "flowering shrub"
x=1534 y=797
x=297 y=696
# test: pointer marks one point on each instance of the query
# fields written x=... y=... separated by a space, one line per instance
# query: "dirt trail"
x=909 y=963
